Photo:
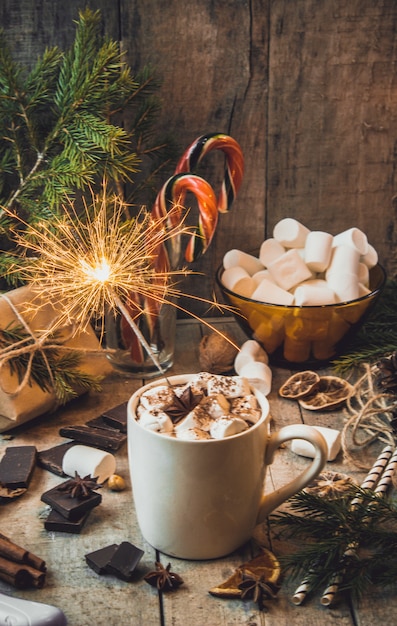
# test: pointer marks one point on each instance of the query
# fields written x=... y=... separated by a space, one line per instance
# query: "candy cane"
x=173 y=194
x=234 y=164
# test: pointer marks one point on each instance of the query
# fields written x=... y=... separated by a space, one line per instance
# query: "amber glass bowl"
x=303 y=336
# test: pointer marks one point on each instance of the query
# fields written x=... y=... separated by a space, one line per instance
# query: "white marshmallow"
x=290 y=233
x=216 y=405
x=318 y=248
x=192 y=434
x=157 y=397
x=259 y=276
x=259 y=375
x=156 y=420
x=227 y=426
x=270 y=250
x=250 y=263
x=308 y=295
x=353 y=237
x=289 y=270
x=332 y=439
x=344 y=259
x=229 y=386
x=345 y=286
x=238 y=280
x=246 y=408
x=87 y=461
x=269 y=292
x=250 y=350
x=371 y=257
x=363 y=274
x=196 y=418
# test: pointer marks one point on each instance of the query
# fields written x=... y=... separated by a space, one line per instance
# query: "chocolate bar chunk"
x=104 y=438
x=99 y=422
x=117 y=417
x=124 y=560
x=70 y=508
x=17 y=465
x=52 y=458
x=56 y=522
x=99 y=559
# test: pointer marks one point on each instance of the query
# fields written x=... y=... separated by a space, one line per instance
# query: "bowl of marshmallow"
x=305 y=293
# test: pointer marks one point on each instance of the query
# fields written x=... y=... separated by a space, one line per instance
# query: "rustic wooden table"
x=88 y=598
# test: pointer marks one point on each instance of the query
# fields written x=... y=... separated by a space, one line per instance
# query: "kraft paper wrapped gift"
x=21 y=403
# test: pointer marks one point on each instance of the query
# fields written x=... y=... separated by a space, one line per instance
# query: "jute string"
x=368 y=418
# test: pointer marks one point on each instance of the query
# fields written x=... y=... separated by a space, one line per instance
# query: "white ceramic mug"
x=203 y=499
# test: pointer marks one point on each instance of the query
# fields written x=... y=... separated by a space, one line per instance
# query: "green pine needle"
x=323 y=529
x=66 y=380
x=378 y=335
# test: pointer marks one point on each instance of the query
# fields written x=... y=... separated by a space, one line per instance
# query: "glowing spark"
x=98 y=261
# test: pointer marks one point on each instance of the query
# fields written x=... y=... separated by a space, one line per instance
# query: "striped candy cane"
x=173 y=194
x=234 y=169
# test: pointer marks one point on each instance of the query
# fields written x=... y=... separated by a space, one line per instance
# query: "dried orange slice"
x=331 y=485
x=330 y=392
x=299 y=385
x=265 y=566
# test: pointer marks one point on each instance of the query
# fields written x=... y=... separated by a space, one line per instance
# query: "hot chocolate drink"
x=209 y=406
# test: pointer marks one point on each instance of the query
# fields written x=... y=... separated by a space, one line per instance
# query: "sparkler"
x=97 y=261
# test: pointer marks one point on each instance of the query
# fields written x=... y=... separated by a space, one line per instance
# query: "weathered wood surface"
x=308 y=89
x=87 y=598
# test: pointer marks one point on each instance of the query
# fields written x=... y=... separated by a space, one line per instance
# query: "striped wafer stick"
x=383 y=461
x=387 y=476
x=173 y=194
x=234 y=169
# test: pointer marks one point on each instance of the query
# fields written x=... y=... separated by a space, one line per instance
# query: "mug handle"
x=294 y=431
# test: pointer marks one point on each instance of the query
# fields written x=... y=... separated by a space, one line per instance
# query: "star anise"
x=162 y=578
x=256 y=588
x=79 y=487
x=183 y=404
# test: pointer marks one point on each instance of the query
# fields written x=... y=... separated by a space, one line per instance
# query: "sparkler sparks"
x=87 y=264
x=95 y=262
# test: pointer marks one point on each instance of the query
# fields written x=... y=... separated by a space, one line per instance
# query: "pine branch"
x=323 y=529
x=66 y=377
x=377 y=337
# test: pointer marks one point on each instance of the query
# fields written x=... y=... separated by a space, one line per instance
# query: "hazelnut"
x=116 y=483
x=217 y=353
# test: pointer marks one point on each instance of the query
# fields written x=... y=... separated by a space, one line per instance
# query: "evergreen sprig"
x=378 y=335
x=67 y=379
x=77 y=117
x=325 y=528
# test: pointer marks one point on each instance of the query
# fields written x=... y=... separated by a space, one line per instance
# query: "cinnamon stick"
x=13 y=552
x=15 y=574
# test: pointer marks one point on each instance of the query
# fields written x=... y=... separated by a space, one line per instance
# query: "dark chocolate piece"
x=17 y=465
x=70 y=508
x=99 y=422
x=124 y=560
x=52 y=458
x=104 y=438
x=56 y=522
x=99 y=559
x=117 y=417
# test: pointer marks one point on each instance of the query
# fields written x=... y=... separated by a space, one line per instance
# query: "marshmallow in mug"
x=228 y=406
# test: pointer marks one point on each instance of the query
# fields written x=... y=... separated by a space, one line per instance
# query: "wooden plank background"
x=308 y=88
